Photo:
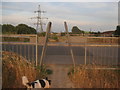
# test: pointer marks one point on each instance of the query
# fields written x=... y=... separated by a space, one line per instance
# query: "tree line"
x=19 y=29
x=25 y=29
x=76 y=30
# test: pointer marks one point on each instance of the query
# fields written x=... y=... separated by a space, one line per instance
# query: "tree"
x=19 y=29
x=8 y=29
x=24 y=29
x=117 y=31
x=0 y=29
x=76 y=30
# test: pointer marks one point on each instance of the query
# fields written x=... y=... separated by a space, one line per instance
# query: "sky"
x=88 y=16
x=60 y=0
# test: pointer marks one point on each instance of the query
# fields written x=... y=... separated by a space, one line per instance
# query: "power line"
x=39 y=24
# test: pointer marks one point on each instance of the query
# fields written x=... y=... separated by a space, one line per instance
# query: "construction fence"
x=56 y=49
x=86 y=50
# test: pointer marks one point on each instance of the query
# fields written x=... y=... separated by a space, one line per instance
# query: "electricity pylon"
x=39 y=24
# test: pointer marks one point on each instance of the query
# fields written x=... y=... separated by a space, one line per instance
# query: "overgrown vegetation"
x=41 y=34
x=43 y=71
x=15 y=66
x=53 y=37
x=87 y=76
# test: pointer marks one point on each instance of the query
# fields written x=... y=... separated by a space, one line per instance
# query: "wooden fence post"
x=36 y=50
x=85 y=47
x=45 y=43
x=69 y=44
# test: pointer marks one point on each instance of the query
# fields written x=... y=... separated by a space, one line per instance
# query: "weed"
x=43 y=71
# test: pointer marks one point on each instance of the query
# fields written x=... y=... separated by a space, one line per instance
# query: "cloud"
x=85 y=9
x=18 y=6
x=16 y=18
x=11 y=8
x=84 y=15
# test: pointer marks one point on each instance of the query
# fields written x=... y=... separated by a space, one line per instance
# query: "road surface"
x=61 y=54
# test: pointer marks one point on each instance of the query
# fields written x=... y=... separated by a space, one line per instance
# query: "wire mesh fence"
x=103 y=50
x=86 y=50
x=24 y=45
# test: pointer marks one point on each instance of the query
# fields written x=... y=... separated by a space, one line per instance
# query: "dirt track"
x=59 y=77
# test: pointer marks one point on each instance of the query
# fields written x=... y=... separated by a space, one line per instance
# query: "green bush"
x=43 y=71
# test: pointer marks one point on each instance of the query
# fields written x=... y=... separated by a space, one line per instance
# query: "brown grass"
x=84 y=77
x=103 y=40
x=13 y=68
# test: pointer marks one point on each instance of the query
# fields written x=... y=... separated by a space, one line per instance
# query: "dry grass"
x=91 y=40
x=103 y=40
x=62 y=39
x=94 y=78
x=14 y=67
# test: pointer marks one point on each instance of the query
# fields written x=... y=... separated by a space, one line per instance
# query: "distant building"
x=107 y=34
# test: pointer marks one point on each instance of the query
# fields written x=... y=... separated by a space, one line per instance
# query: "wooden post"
x=85 y=51
x=69 y=44
x=36 y=50
x=45 y=43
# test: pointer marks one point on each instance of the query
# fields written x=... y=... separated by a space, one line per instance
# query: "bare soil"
x=60 y=77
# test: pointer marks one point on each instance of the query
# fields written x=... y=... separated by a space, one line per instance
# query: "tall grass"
x=15 y=66
x=87 y=76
